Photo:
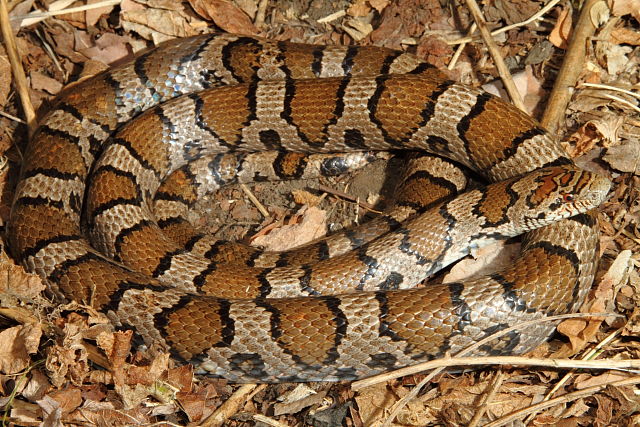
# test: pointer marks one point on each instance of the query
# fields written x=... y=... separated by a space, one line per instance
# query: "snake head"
x=559 y=192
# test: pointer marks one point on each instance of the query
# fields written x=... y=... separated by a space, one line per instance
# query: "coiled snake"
x=299 y=98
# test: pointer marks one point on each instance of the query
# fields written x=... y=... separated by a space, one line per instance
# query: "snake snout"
x=599 y=189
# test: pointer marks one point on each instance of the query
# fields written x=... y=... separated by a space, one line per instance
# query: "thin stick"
x=570 y=70
x=495 y=386
x=19 y=78
x=528 y=21
x=609 y=87
x=255 y=200
x=11 y=117
x=346 y=196
x=261 y=13
x=456 y=55
x=590 y=355
x=627 y=365
x=503 y=71
x=231 y=405
x=337 y=15
x=622 y=101
x=459 y=360
x=268 y=421
x=35 y=17
x=569 y=397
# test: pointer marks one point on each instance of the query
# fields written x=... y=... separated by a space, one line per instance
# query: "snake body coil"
x=262 y=95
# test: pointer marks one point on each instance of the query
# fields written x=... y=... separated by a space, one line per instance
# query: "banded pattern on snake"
x=257 y=95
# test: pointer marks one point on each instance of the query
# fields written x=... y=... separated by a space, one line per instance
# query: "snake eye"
x=568 y=197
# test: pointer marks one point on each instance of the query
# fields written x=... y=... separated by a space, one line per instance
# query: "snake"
x=81 y=216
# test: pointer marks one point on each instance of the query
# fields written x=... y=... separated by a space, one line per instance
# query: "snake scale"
x=262 y=319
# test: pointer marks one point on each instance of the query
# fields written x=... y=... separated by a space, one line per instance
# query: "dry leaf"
x=626 y=7
x=297 y=399
x=562 y=31
x=225 y=15
x=37 y=386
x=604 y=129
x=374 y=402
x=193 y=404
x=16 y=344
x=379 y=5
x=357 y=28
x=488 y=259
x=68 y=399
x=527 y=85
x=312 y=226
x=599 y=13
x=129 y=5
x=625 y=36
x=164 y=4
x=596 y=380
x=109 y=48
x=15 y=281
x=617 y=59
x=93 y=15
x=359 y=8
x=159 y=24
x=624 y=157
x=40 y=81
x=51 y=412
x=250 y=7
x=69 y=361
x=181 y=377
x=580 y=331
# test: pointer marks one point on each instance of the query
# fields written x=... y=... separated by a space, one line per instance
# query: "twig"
x=35 y=17
x=232 y=404
x=268 y=421
x=569 y=397
x=495 y=386
x=622 y=101
x=47 y=48
x=613 y=97
x=609 y=87
x=498 y=360
x=503 y=71
x=440 y=364
x=337 y=15
x=570 y=70
x=589 y=356
x=626 y=365
x=528 y=21
x=255 y=201
x=19 y=78
x=456 y=55
x=19 y=314
x=14 y=118
x=261 y=13
x=346 y=196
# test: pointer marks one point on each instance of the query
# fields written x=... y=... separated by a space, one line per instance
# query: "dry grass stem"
x=570 y=70
x=532 y=18
x=19 y=77
x=255 y=200
x=494 y=51
x=38 y=16
x=569 y=397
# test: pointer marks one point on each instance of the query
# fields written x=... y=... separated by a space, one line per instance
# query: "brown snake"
x=288 y=97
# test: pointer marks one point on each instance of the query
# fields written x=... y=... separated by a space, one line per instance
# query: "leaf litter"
x=65 y=365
